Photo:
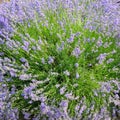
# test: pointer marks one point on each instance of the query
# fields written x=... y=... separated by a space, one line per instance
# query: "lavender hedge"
x=59 y=60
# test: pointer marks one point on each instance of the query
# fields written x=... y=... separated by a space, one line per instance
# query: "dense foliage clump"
x=59 y=60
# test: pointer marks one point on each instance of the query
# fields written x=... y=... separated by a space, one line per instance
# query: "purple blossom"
x=3 y=22
x=62 y=90
x=1 y=53
x=4 y=85
x=26 y=115
x=76 y=65
x=23 y=60
x=26 y=46
x=99 y=42
x=101 y=58
x=1 y=76
x=1 y=41
x=51 y=60
x=24 y=77
x=25 y=12
x=42 y=98
x=76 y=52
x=77 y=34
x=3 y=96
x=106 y=87
x=77 y=75
x=69 y=96
x=82 y=109
x=13 y=89
x=28 y=90
x=58 y=114
x=34 y=48
x=50 y=113
x=34 y=97
x=64 y=103
x=44 y=108
x=13 y=73
x=71 y=39
x=40 y=41
x=2 y=25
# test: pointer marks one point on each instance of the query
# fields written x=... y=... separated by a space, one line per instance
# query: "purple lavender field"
x=60 y=60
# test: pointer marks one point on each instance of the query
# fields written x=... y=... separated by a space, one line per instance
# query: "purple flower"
x=1 y=41
x=101 y=58
x=1 y=77
x=64 y=103
x=3 y=22
x=77 y=75
x=76 y=52
x=4 y=85
x=28 y=90
x=62 y=90
x=12 y=73
x=36 y=118
x=77 y=34
x=40 y=41
x=71 y=39
x=24 y=77
x=76 y=65
x=34 y=48
x=50 y=60
x=42 y=98
x=99 y=42
x=69 y=96
x=13 y=89
x=1 y=53
x=50 y=113
x=23 y=60
x=26 y=115
x=44 y=108
x=82 y=109
x=58 y=114
x=26 y=45
x=1 y=104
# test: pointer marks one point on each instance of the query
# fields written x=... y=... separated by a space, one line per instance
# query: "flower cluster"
x=59 y=60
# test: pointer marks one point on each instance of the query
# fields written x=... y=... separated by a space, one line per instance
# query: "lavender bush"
x=59 y=60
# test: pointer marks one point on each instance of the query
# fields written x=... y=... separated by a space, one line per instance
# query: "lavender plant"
x=53 y=66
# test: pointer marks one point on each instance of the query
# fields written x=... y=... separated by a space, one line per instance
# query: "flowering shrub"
x=53 y=66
